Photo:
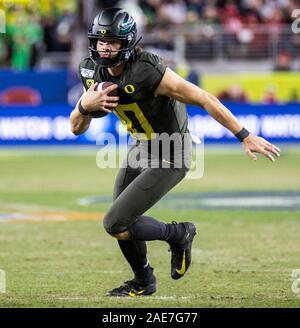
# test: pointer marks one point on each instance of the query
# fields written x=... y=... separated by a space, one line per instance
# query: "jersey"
x=143 y=114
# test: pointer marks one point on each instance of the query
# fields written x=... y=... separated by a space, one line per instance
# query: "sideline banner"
x=282 y=87
x=49 y=124
x=277 y=123
x=49 y=86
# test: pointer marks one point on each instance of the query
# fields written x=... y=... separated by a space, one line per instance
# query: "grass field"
x=62 y=257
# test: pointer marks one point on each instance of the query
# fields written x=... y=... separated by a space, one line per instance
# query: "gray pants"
x=138 y=189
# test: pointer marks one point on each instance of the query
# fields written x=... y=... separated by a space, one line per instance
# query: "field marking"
x=52 y=273
x=279 y=200
x=101 y=298
x=263 y=201
x=24 y=207
x=40 y=216
x=194 y=201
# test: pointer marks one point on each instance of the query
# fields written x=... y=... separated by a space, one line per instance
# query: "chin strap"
x=137 y=42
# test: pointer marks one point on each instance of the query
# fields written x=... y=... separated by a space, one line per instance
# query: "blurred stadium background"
x=245 y=52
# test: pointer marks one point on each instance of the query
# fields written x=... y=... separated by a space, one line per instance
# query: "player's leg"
x=124 y=219
x=140 y=195
x=134 y=251
x=145 y=190
x=179 y=236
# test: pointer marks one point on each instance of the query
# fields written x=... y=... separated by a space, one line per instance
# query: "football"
x=103 y=86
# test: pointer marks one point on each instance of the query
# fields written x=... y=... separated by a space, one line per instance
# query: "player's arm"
x=79 y=123
x=174 y=86
x=91 y=101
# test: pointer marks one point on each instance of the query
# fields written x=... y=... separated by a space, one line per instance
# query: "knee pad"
x=111 y=225
x=107 y=224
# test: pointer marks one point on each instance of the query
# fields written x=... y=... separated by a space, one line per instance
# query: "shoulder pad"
x=147 y=57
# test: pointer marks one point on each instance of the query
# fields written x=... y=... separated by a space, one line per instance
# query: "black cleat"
x=133 y=288
x=181 y=252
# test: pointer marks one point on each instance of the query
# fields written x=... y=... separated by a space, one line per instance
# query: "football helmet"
x=113 y=23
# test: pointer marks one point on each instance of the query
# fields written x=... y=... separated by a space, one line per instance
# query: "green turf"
x=240 y=259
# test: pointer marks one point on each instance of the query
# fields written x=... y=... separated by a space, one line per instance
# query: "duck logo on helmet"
x=127 y=26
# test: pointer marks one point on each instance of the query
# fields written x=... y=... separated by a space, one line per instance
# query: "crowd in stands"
x=240 y=23
x=32 y=29
x=233 y=15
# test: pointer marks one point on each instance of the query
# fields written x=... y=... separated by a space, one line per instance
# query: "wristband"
x=82 y=110
x=242 y=134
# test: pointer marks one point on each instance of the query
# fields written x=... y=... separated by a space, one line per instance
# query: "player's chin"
x=108 y=55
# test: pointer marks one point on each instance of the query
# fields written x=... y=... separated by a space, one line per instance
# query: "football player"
x=148 y=103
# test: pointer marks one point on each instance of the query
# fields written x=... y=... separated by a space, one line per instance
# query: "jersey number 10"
x=121 y=111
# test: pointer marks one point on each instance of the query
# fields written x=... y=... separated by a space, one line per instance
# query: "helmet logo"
x=128 y=23
x=102 y=32
x=127 y=26
x=129 y=88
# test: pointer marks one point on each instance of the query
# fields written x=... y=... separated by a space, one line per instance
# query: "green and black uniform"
x=146 y=117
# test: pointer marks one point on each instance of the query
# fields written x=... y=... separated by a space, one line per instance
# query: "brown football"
x=104 y=85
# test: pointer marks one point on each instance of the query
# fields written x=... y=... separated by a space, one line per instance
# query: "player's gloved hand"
x=254 y=144
x=94 y=100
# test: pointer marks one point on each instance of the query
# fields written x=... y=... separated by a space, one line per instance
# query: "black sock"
x=135 y=252
x=147 y=228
